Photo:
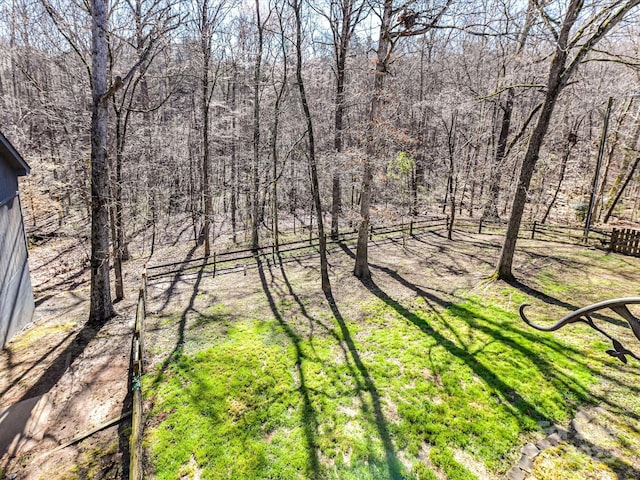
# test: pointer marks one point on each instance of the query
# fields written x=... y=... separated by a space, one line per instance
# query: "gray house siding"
x=16 y=295
x=8 y=182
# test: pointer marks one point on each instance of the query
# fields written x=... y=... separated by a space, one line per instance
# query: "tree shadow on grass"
x=430 y=299
x=548 y=299
x=352 y=357
x=179 y=346
x=601 y=454
x=503 y=334
x=515 y=400
x=534 y=292
x=303 y=309
x=391 y=457
x=549 y=369
x=309 y=420
x=171 y=358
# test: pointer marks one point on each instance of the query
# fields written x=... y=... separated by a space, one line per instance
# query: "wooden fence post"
x=137 y=361
x=533 y=230
x=480 y=226
x=614 y=240
x=144 y=287
x=627 y=241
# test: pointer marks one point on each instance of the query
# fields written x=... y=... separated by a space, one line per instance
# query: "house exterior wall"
x=16 y=295
x=8 y=182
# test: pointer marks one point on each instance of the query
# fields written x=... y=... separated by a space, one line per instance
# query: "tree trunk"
x=324 y=270
x=116 y=228
x=559 y=75
x=571 y=141
x=346 y=30
x=629 y=148
x=234 y=162
x=451 y=190
x=361 y=269
x=491 y=207
x=274 y=145
x=556 y=80
x=520 y=198
x=599 y=207
x=101 y=307
x=206 y=188
x=621 y=190
x=255 y=206
x=336 y=206
x=414 y=188
x=474 y=180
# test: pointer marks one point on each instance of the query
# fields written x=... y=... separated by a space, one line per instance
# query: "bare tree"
x=255 y=186
x=101 y=307
x=506 y=107
x=570 y=50
x=153 y=22
x=209 y=17
x=571 y=140
x=344 y=16
x=315 y=189
x=395 y=23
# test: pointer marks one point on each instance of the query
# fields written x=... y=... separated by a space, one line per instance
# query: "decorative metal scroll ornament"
x=617 y=305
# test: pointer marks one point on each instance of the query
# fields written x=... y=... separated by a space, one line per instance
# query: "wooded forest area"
x=238 y=119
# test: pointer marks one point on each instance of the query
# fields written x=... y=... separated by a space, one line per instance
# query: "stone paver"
x=559 y=434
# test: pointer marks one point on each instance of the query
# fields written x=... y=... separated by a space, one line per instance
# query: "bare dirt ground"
x=81 y=372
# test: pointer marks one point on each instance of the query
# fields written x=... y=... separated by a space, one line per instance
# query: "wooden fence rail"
x=239 y=258
x=597 y=237
x=220 y=258
x=534 y=230
x=625 y=241
x=137 y=369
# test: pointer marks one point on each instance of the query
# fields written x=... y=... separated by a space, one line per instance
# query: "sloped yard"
x=427 y=372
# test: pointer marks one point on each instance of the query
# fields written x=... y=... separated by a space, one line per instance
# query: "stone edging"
x=556 y=436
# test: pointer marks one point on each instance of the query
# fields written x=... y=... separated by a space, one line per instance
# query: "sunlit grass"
x=362 y=398
x=389 y=381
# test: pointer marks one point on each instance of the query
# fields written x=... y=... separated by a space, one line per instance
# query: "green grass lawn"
x=387 y=380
